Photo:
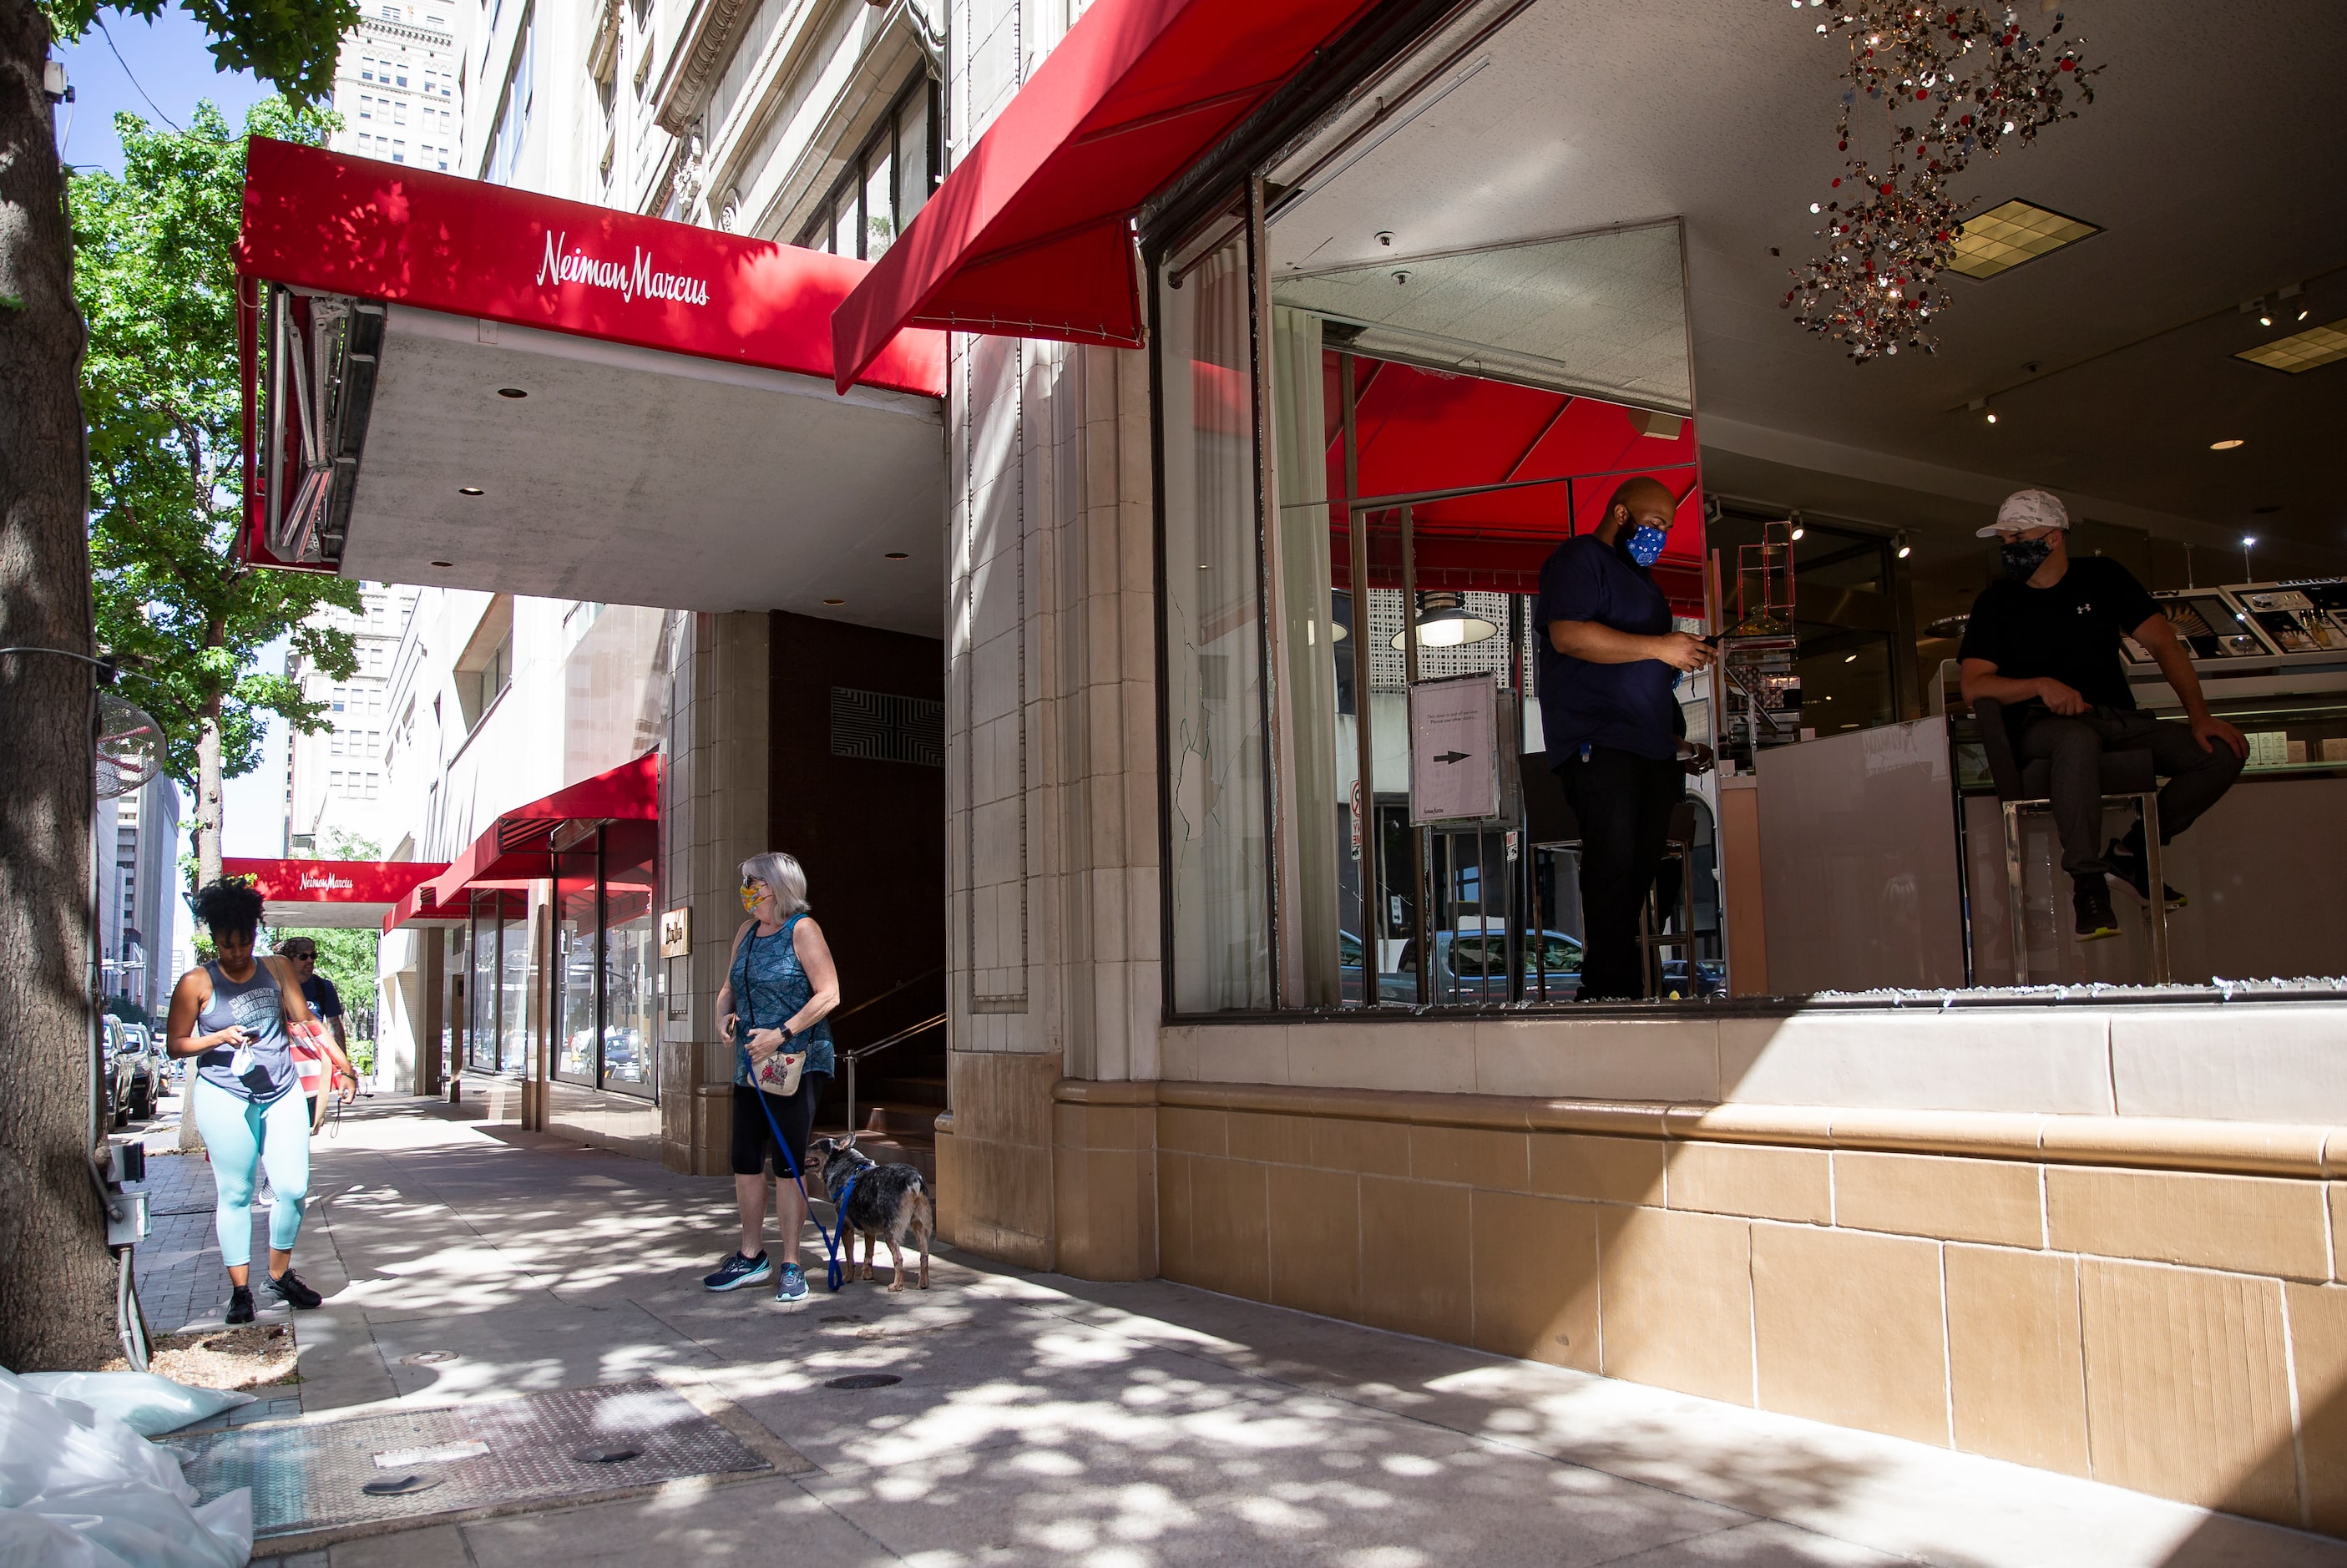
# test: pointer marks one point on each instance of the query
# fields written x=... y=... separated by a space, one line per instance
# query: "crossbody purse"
x=779 y=1073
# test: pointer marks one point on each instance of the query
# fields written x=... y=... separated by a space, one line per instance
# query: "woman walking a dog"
x=781 y=985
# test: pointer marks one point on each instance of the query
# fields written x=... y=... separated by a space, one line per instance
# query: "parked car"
x=1470 y=967
x=120 y=1070
x=149 y=1068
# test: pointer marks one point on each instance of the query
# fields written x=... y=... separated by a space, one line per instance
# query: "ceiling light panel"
x=2301 y=351
x=2004 y=237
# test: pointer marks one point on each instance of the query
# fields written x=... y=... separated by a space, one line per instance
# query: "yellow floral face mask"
x=750 y=892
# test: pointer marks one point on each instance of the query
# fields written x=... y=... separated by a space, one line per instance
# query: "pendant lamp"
x=1444 y=621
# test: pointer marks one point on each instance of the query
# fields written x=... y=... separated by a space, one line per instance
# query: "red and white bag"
x=311 y=1064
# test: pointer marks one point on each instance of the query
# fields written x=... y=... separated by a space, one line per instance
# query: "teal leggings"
x=241 y=1137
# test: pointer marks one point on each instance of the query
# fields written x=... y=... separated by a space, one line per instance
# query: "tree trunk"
x=207 y=795
x=57 y=1283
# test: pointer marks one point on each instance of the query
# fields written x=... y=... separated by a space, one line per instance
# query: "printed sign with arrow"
x=1454 y=721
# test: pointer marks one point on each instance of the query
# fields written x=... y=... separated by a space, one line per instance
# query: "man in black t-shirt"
x=2045 y=642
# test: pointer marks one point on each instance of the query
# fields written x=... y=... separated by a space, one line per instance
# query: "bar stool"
x=1678 y=844
x=2127 y=775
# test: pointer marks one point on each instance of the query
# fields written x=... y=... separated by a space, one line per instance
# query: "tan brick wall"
x=2144 y=1306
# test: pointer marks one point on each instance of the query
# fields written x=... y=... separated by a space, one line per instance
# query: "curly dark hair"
x=230 y=906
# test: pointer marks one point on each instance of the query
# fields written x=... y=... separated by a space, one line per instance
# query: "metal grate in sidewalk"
x=307 y=1476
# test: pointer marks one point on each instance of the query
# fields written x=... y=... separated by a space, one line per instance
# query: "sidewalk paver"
x=1044 y=1420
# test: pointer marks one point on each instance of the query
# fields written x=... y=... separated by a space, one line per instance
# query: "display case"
x=2272 y=662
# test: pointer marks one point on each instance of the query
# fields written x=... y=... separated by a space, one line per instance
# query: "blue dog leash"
x=839 y=1207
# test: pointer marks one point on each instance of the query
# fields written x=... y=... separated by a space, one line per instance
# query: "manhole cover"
x=427 y=1358
x=865 y=1380
x=324 y=1474
x=399 y=1486
x=607 y=1455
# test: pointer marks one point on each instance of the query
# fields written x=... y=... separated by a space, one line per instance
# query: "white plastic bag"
x=120 y=1500
x=147 y=1404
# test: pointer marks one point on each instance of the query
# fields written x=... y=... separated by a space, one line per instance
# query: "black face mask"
x=2022 y=558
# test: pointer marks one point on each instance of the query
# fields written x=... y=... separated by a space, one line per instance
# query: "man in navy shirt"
x=1609 y=662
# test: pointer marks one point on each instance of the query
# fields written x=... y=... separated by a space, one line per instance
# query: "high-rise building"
x=335 y=791
x=136 y=843
x=399 y=85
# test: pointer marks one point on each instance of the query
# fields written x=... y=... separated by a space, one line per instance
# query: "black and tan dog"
x=887 y=1203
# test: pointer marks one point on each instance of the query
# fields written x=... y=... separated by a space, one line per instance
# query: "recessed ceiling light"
x=2301 y=351
x=511 y=391
x=1847 y=658
x=834 y=601
x=444 y=563
x=468 y=489
x=897 y=555
x=2003 y=238
x=2226 y=445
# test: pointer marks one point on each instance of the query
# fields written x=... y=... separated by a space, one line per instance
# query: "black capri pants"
x=753 y=1139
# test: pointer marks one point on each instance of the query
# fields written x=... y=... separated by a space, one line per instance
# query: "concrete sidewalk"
x=1043 y=1419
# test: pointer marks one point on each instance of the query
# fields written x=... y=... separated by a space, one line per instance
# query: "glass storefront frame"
x=604 y=992
x=1271 y=963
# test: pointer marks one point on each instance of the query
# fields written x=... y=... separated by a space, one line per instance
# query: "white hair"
x=782 y=877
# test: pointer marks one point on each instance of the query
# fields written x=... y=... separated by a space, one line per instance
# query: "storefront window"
x=481 y=1014
x=1217 y=868
x=576 y=919
x=513 y=1006
x=607 y=931
x=631 y=954
x=456 y=989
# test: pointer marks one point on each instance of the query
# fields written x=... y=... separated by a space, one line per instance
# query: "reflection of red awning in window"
x=1031 y=233
x=1420 y=430
x=518 y=846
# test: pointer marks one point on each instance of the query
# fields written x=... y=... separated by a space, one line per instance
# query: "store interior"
x=1547 y=251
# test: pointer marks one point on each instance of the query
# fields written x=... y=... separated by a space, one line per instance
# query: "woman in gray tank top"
x=231 y=1016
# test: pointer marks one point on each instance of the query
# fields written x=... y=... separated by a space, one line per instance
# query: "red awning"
x=330 y=893
x=452 y=339
x=1029 y=234
x=518 y=847
x=1419 y=431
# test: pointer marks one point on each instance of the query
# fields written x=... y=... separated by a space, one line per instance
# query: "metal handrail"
x=892 y=990
x=875 y=1049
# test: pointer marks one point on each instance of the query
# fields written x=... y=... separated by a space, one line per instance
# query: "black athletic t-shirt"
x=2070 y=631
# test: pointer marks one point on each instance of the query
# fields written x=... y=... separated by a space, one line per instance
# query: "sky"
x=158 y=70
x=118 y=67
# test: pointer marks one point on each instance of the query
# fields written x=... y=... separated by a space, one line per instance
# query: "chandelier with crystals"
x=1952 y=82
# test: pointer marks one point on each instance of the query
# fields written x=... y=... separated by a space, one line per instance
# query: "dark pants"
x=2196 y=778
x=1623 y=802
x=753 y=1135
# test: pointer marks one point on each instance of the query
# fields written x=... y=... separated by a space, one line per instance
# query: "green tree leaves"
x=155 y=253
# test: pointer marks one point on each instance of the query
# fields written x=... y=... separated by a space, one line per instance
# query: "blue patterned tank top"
x=259 y=1005
x=770 y=986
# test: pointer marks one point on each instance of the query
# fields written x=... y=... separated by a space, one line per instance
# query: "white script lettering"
x=630 y=280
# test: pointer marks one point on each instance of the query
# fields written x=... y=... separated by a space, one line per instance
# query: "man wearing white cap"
x=2045 y=642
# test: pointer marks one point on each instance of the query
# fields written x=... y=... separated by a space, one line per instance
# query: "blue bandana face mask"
x=1645 y=544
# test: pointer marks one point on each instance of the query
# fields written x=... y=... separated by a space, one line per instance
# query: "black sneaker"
x=2092 y=901
x=737 y=1271
x=239 y=1304
x=2130 y=866
x=288 y=1288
